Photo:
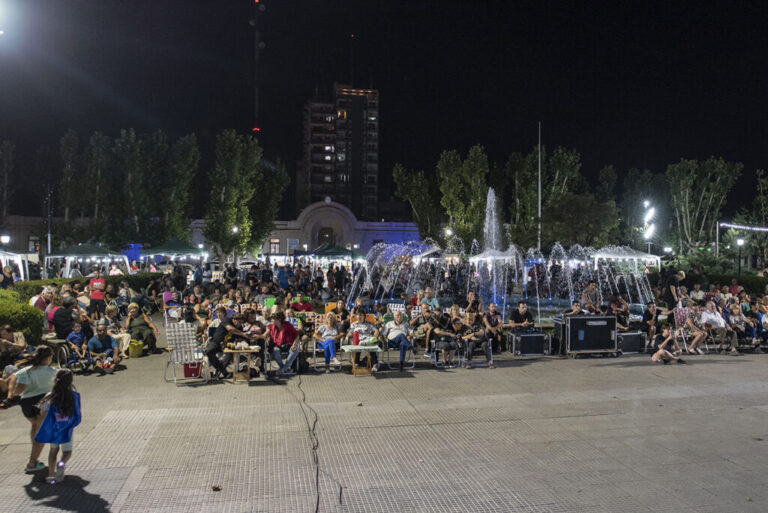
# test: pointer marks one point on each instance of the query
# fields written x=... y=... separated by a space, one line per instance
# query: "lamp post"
x=648 y=229
x=739 y=243
x=235 y=229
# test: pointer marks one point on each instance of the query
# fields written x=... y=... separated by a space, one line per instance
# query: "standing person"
x=62 y=415
x=590 y=298
x=32 y=383
x=96 y=285
x=672 y=289
x=330 y=276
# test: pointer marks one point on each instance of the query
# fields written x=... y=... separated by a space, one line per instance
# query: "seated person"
x=12 y=345
x=575 y=309
x=721 y=330
x=696 y=294
x=664 y=348
x=227 y=329
x=423 y=324
x=694 y=329
x=398 y=335
x=116 y=330
x=619 y=308
x=283 y=334
x=139 y=326
x=590 y=300
x=367 y=335
x=744 y=328
x=477 y=330
x=78 y=346
x=451 y=340
x=493 y=324
x=651 y=320
x=103 y=350
x=522 y=320
x=472 y=304
x=326 y=335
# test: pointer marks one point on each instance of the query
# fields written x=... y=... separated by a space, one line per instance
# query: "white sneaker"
x=60 y=467
x=698 y=350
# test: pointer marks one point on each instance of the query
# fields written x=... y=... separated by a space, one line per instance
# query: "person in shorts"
x=96 y=286
x=32 y=384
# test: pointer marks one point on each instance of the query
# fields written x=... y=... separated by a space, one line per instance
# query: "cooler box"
x=192 y=370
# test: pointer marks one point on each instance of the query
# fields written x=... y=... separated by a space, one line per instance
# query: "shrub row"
x=21 y=317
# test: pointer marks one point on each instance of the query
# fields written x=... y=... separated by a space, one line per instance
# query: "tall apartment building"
x=341 y=151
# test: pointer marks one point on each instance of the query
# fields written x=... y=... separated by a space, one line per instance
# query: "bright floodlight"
x=649 y=231
x=649 y=215
x=740 y=242
x=667 y=249
x=646 y=203
x=5 y=239
x=235 y=229
x=199 y=246
x=448 y=232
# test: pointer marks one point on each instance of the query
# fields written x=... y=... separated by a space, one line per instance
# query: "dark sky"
x=633 y=84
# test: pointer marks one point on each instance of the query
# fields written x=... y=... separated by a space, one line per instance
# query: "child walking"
x=63 y=414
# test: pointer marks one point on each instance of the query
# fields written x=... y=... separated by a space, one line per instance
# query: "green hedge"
x=9 y=295
x=22 y=317
x=27 y=289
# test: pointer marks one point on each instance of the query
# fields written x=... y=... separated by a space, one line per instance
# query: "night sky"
x=633 y=84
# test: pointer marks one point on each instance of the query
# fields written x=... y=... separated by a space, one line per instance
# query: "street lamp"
x=648 y=234
x=5 y=239
x=235 y=229
x=739 y=243
x=448 y=232
x=667 y=249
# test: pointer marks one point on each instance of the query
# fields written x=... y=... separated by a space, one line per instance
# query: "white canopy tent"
x=626 y=255
x=87 y=254
x=20 y=260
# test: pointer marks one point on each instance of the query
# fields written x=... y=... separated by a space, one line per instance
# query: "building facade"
x=341 y=151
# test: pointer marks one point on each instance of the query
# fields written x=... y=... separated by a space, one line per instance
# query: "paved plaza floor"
x=538 y=435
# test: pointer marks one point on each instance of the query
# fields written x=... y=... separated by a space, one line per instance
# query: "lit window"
x=328 y=179
x=327 y=157
x=371 y=118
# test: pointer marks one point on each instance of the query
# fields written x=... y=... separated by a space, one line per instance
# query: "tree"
x=421 y=194
x=698 y=191
x=68 y=148
x=606 y=187
x=637 y=187
x=233 y=181
x=756 y=215
x=97 y=157
x=464 y=191
x=560 y=176
x=182 y=169
x=581 y=218
x=129 y=164
x=264 y=205
x=7 y=150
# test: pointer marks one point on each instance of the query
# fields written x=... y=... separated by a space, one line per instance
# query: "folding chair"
x=183 y=351
x=680 y=315
x=387 y=349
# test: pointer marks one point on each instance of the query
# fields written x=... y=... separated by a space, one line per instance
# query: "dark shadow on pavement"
x=69 y=495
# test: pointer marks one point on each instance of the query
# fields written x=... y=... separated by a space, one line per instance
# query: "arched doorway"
x=326 y=236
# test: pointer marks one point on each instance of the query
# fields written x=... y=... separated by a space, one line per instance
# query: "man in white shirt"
x=696 y=294
x=711 y=318
x=398 y=334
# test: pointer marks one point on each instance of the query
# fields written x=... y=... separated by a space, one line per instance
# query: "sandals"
x=38 y=467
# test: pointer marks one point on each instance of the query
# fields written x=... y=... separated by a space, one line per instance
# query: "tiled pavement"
x=591 y=435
